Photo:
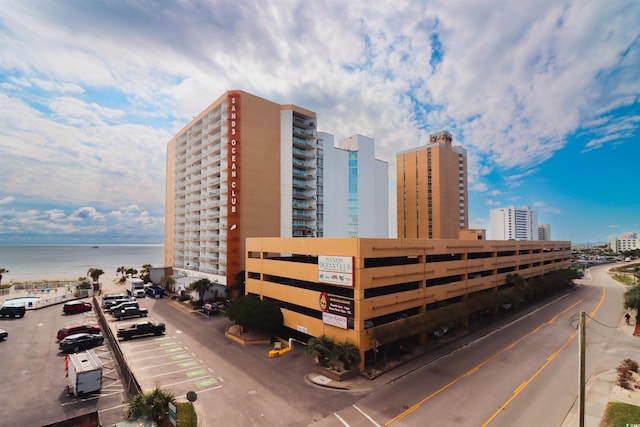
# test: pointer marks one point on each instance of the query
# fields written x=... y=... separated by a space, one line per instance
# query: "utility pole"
x=582 y=366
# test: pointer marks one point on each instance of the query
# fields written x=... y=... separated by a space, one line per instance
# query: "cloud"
x=7 y=200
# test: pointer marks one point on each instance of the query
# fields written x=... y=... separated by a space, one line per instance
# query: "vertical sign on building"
x=233 y=179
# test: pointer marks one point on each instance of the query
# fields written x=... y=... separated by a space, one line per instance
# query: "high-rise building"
x=432 y=190
x=249 y=167
x=544 y=232
x=244 y=167
x=355 y=188
x=514 y=224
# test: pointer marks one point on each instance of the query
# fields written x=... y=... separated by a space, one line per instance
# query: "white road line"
x=367 y=416
x=341 y=420
x=191 y=368
x=164 y=364
x=187 y=381
x=184 y=396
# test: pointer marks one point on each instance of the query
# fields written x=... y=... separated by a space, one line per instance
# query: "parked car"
x=12 y=311
x=210 y=309
x=3 y=334
x=77 y=329
x=140 y=329
x=73 y=307
x=122 y=306
x=109 y=302
x=130 y=312
x=75 y=343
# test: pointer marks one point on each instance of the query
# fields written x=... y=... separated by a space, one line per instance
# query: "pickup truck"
x=130 y=312
x=139 y=329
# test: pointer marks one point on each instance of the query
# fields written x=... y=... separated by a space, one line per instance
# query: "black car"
x=3 y=334
x=130 y=312
x=75 y=343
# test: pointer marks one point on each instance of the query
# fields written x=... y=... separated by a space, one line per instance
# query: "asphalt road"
x=524 y=374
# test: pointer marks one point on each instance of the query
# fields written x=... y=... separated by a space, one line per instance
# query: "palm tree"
x=131 y=272
x=319 y=348
x=2 y=271
x=145 y=273
x=152 y=405
x=122 y=270
x=95 y=274
x=201 y=286
x=168 y=282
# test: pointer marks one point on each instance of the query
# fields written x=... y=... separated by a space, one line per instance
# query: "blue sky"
x=544 y=96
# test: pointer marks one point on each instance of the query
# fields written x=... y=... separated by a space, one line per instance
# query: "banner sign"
x=336 y=270
x=334 y=320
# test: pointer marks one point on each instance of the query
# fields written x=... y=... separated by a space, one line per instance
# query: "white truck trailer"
x=135 y=287
x=84 y=373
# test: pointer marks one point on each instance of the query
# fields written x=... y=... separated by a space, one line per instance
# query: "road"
x=524 y=374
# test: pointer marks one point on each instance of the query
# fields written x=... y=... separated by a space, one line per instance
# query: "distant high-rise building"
x=355 y=188
x=544 y=232
x=432 y=190
x=514 y=224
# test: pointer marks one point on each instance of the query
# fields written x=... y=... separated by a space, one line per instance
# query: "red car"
x=77 y=329
x=74 y=307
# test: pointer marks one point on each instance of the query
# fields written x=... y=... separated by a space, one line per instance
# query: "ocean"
x=69 y=262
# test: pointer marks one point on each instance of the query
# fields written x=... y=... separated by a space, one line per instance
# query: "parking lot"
x=33 y=373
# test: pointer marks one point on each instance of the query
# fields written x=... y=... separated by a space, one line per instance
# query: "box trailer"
x=84 y=372
x=135 y=287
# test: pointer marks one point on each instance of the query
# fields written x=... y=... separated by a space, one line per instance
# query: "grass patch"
x=618 y=414
x=186 y=415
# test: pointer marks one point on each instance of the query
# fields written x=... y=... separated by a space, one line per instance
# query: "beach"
x=69 y=263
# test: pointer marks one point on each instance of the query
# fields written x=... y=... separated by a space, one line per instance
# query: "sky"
x=544 y=96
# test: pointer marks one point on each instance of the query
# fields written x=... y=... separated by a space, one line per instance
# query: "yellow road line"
x=489 y=359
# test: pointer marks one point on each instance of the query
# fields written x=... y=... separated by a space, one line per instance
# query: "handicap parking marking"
x=180 y=356
x=187 y=364
x=197 y=372
x=206 y=382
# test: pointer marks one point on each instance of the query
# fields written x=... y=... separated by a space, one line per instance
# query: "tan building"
x=244 y=167
x=353 y=288
x=432 y=190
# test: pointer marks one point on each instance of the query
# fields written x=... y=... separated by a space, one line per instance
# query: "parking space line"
x=185 y=381
x=161 y=364
x=164 y=374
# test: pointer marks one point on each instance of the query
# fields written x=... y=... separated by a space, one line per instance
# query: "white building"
x=355 y=194
x=514 y=224
x=626 y=242
x=544 y=232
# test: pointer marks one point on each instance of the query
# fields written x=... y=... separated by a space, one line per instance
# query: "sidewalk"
x=602 y=389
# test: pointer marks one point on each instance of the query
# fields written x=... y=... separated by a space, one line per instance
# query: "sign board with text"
x=335 y=270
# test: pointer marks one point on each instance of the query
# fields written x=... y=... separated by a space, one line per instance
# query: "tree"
x=95 y=274
x=201 y=286
x=122 y=270
x=145 y=273
x=131 y=272
x=168 y=282
x=2 y=271
x=237 y=289
x=153 y=405
x=250 y=312
x=319 y=349
x=344 y=355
